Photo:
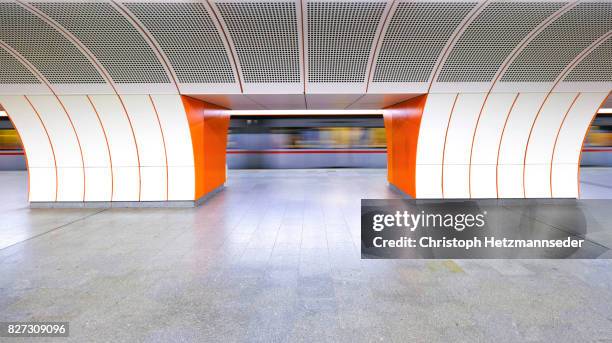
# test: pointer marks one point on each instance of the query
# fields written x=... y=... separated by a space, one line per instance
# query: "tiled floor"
x=275 y=257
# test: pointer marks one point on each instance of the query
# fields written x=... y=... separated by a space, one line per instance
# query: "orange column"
x=208 y=125
x=402 y=123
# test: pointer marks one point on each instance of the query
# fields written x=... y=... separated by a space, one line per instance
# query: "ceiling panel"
x=547 y=55
x=57 y=59
x=115 y=43
x=414 y=39
x=188 y=36
x=491 y=37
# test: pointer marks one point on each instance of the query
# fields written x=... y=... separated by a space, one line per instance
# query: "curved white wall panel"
x=39 y=152
x=487 y=136
x=179 y=149
x=538 y=153
x=96 y=155
x=565 y=163
x=124 y=154
x=459 y=143
x=150 y=140
x=514 y=142
x=431 y=144
x=71 y=178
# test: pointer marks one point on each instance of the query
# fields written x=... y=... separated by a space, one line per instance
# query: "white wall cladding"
x=525 y=144
x=57 y=59
x=119 y=47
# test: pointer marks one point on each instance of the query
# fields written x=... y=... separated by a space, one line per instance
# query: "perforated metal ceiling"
x=557 y=45
x=417 y=33
x=13 y=72
x=595 y=67
x=111 y=38
x=265 y=36
x=340 y=38
x=188 y=36
x=53 y=55
x=491 y=37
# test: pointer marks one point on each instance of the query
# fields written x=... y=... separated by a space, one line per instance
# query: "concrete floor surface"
x=274 y=258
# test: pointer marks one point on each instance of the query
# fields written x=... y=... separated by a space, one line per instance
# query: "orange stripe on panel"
x=450 y=117
x=208 y=125
x=501 y=139
x=50 y=143
x=110 y=158
x=163 y=141
x=402 y=123
x=552 y=157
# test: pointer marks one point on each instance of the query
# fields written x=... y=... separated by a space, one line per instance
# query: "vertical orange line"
x=529 y=140
x=127 y=115
x=78 y=142
x=552 y=158
x=163 y=141
x=110 y=158
x=50 y=143
x=501 y=139
x=472 y=146
x=445 y=137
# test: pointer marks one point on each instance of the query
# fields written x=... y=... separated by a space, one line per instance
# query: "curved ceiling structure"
x=319 y=53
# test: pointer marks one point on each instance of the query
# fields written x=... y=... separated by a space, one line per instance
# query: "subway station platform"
x=275 y=257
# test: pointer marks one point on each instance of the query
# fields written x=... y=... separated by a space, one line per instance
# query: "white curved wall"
x=525 y=144
x=430 y=145
x=179 y=149
x=459 y=137
x=39 y=152
x=483 y=175
x=126 y=171
x=538 y=152
x=513 y=143
x=566 y=155
x=150 y=143
x=96 y=155
x=70 y=173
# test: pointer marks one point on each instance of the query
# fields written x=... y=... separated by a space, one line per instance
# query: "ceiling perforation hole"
x=415 y=37
x=340 y=38
x=275 y=59
x=190 y=40
x=546 y=55
x=57 y=59
x=491 y=37
x=117 y=45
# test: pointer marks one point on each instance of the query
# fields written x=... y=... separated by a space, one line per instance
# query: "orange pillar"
x=208 y=125
x=402 y=123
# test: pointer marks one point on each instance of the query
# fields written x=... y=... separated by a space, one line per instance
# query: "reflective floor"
x=274 y=257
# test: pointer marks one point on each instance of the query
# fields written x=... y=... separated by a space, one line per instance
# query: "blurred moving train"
x=271 y=142
x=268 y=142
